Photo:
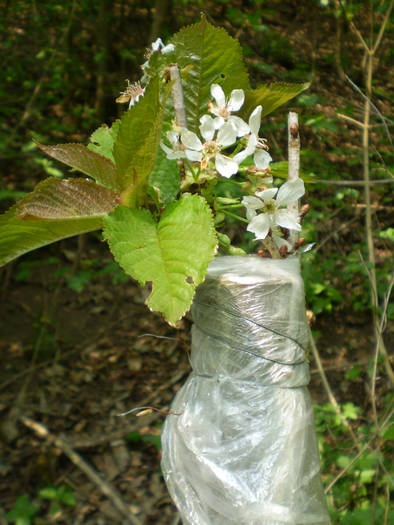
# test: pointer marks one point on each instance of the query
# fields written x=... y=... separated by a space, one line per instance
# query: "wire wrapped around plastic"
x=240 y=445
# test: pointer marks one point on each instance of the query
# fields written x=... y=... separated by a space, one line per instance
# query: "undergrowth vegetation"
x=79 y=56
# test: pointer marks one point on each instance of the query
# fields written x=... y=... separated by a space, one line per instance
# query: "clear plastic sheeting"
x=239 y=446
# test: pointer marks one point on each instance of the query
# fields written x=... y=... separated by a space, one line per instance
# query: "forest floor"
x=75 y=361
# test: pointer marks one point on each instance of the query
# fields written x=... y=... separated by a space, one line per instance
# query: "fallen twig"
x=104 y=486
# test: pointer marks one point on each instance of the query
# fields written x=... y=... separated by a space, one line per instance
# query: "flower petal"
x=252 y=143
x=251 y=202
x=169 y=48
x=279 y=241
x=168 y=151
x=218 y=122
x=262 y=159
x=287 y=219
x=267 y=195
x=290 y=192
x=260 y=226
x=194 y=156
x=157 y=44
x=255 y=120
x=207 y=127
x=190 y=140
x=240 y=125
x=225 y=166
x=237 y=98
x=250 y=214
x=172 y=154
x=173 y=137
x=227 y=135
x=218 y=95
x=249 y=150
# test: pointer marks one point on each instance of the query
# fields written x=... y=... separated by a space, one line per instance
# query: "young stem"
x=189 y=165
x=223 y=207
x=368 y=208
x=177 y=96
x=294 y=147
x=269 y=245
x=230 y=214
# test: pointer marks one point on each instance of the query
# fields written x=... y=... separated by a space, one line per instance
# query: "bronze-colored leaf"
x=67 y=199
x=79 y=157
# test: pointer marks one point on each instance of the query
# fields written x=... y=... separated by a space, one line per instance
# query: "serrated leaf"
x=19 y=236
x=103 y=139
x=138 y=139
x=271 y=96
x=81 y=158
x=207 y=55
x=164 y=180
x=67 y=199
x=173 y=255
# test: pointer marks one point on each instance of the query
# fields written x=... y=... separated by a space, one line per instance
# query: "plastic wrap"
x=239 y=446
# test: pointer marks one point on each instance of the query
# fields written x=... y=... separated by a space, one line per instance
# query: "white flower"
x=255 y=145
x=158 y=45
x=196 y=151
x=177 y=151
x=274 y=213
x=223 y=109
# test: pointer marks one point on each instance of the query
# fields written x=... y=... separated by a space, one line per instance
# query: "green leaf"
x=135 y=437
x=103 y=139
x=271 y=96
x=388 y=434
x=207 y=55
x=387 y=234
x=49 y=493
x=350 y=411
x=353 y=373
x=363 y=516
x=164 y=180
x=19 y=236
x=67 y=199
x=366 y=476
x=79 y=157
x=173 y=255
x=68 y=498
x=23 y=511
x=343 y=461
x=56 y=209
x=138 y=139
x=280 y=170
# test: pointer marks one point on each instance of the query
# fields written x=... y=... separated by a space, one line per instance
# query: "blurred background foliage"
x=63 y=64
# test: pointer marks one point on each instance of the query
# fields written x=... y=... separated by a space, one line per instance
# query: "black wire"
x=293 y=363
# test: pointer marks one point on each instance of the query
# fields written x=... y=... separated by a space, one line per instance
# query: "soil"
x=74 y=362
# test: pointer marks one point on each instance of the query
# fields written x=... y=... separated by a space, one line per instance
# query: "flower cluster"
x=269 y=210
x=219 y=132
